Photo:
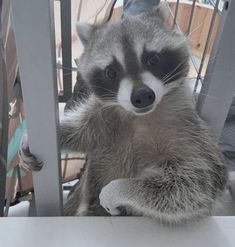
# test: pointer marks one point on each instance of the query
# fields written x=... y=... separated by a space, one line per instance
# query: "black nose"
x=142 y=97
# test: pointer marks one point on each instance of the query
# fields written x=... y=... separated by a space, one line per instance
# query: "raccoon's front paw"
x=110 y=197
x=30 y=162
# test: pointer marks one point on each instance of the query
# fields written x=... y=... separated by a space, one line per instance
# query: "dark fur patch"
x=133 y=67
x=172 y=65
x=104 y=87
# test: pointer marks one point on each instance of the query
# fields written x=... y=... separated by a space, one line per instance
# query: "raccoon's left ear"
x=84 y=32
x=162 y=11
x=159 y=11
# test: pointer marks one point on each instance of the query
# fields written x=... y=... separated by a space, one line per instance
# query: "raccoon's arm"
x=174 y=194
x=79 y=131
x=81 y=127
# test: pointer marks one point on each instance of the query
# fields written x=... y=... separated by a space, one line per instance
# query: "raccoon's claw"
x=30 y=161
x=109 y=199
x=112 y=211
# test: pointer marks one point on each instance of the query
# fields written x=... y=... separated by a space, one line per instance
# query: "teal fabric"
x=14 y=143
x=11 y=173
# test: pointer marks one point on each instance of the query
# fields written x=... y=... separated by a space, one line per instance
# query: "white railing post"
x=3 y=120
x=35 y=42
x=218 y=87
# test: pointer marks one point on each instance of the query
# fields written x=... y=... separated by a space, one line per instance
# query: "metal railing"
x=66 y=39
x=215 y=88
x=174 y=14
x=218 y=87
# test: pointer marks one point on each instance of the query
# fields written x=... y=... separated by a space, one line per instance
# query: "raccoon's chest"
x=153 y=141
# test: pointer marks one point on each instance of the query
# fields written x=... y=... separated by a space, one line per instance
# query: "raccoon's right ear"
x=84 y=32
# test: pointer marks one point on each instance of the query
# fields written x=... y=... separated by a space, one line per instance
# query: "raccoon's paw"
x=110 y=198
x=30 y=162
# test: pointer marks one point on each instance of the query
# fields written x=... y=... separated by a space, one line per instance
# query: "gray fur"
x=169 y=164
x=162 y=164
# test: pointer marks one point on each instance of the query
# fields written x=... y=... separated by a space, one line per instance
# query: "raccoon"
x=149 y=153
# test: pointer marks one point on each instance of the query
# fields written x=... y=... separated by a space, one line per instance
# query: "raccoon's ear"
x=84 y=32
x=158 y=12
x=163 y=11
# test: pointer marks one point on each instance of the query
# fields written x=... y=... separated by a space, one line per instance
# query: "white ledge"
x=114 y=232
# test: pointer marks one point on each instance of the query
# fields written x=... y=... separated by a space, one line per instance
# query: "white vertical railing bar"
x=66 y=40
x=3 y=120
x=191 y=17
x=176 y=11
x=35 y=42
x=218 y=87
x=213 y=18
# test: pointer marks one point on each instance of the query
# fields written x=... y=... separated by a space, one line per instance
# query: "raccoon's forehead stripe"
x=131 y=59
x=124 y=94
x=119 y=56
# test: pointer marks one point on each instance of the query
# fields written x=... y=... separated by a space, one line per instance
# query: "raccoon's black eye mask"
x=152 y=59
x=106 y=82
x=167 y=65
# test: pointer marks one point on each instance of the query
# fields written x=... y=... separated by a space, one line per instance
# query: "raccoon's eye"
x=153 y=59
x=110 y=73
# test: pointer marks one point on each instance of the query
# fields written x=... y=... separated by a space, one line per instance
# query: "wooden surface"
x=114 y=232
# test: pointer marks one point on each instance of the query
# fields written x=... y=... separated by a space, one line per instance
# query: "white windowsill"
x=114 y=232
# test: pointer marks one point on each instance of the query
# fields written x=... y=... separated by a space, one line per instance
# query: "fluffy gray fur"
x=162 y=164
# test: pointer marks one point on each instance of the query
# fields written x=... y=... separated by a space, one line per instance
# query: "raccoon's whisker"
x=108 y=99
x=199 y=35
x=70 y=73
x=169 y=78
x=212 y=97
x=108 y=106
x=171 y=72
x=111 y=100
x=82 y=94
x=60 y=66
x=212 y=58
x=196 y=28
x=114 y=93
x=180 y=64
x=182 y=41
x=80 y=86
x=166 y=77
x=108 y=96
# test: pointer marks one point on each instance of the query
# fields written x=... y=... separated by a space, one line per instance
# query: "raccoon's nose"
x=142 y=97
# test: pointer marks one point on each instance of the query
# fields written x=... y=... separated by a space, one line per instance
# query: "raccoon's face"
x=134 y=62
